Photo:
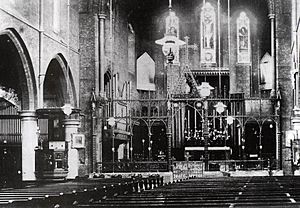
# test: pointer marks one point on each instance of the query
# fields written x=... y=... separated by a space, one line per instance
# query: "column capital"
x=28 y=114
x=71 y=122
x=271 y=16
x=102 y=16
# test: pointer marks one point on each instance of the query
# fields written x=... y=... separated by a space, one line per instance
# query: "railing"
x=237 y=105
x=235 y=165
x=186 y=169
x=143 y=166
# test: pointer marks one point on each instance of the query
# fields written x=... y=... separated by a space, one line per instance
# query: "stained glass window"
x=208 y=34
x=243 y=38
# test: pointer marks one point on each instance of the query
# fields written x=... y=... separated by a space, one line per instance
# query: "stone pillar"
x=29 y=143
x=71 y=127
x=102 y=18
x=274 y=81
x=283 y=65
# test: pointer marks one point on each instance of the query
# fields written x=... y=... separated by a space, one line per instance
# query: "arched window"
x=208 y=34
x=243 y=38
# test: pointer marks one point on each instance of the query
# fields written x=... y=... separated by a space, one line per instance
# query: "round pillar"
x=273 y=42
x=71 y=127
x=29 y=143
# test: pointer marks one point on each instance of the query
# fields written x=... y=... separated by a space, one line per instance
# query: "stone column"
x=102 y=18
x=29 y=143
x=274 y=81
x=71 y=127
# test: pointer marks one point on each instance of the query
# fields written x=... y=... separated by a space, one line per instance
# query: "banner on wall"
x=145 y=73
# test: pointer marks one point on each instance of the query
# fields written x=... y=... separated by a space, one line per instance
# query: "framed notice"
x=57 y=145
x=78 y=141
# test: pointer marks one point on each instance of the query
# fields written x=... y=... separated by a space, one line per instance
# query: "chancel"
x=135 y=89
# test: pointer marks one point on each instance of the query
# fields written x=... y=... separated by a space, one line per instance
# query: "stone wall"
x=24 y=19
x=116 y=62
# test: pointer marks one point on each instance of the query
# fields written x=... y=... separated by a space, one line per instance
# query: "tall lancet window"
x=243 y=39
x=172 y=27
x=208 y=34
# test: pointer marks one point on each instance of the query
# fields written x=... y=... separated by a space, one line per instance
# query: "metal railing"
x=186 y=169
x=238 y=165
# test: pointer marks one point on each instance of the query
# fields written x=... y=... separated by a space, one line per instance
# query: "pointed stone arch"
x=25 y=73
x=72 y=91
x=59 y=82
